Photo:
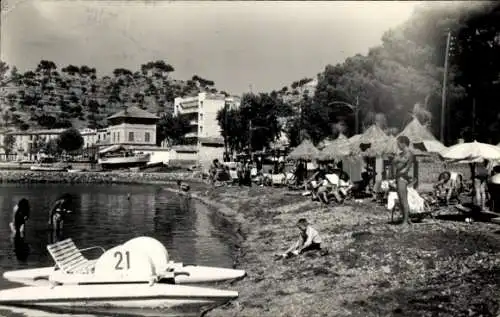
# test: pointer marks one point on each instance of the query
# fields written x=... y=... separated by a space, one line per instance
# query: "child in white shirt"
x=309 y=240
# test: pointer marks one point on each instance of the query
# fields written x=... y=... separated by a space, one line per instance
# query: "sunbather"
x=309 y=240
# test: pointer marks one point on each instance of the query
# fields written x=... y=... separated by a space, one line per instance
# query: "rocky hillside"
x=51 y=97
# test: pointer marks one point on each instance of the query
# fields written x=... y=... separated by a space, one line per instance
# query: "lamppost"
x=355 y=110
x=445 y=86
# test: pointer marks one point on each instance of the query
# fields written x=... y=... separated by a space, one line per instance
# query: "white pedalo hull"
x=132 y=296
x=197 y=274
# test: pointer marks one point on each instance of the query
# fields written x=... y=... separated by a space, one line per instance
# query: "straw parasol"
x=323 y=144
x=376 y=140
x=338 y=148
x=416 y=132
x=304 y=151
x=421 y=137
x=390 y=147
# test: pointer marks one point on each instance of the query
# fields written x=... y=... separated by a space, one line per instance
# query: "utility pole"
x=445 y=86
x=250 y=131
x=301 y=118
x=473 y=118
x=225 y=128
x=356 y=116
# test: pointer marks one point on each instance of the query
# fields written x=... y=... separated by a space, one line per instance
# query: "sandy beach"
x=439 y=267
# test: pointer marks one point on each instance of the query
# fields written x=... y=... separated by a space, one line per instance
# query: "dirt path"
x=433 y=268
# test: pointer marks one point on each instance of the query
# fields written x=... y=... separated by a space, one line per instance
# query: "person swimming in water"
x=59 y=211
x=183 y=187
x=21 y=214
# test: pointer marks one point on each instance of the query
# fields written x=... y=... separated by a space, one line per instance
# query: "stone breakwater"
x=96 y=177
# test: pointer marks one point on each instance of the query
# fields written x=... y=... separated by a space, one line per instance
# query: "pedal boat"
x=73 y=268
x=135 y=275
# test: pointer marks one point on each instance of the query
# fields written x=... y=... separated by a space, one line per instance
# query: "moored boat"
x=118 y=156
x=135 y=275
x=140 y=268
x=48 y=168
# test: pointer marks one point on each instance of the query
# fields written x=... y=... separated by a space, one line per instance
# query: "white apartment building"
x=201 y=111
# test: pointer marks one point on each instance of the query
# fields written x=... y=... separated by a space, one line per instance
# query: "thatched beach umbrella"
x=339 y=148
x=323 y=144
x=373 y=138
x=422 y=138
x=390 y=147
x=304 y=151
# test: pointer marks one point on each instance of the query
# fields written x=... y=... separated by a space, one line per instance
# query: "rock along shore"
x=26 y=176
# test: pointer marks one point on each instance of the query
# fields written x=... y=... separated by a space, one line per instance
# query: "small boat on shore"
x=47 y=168
x=118 y=156
x=135 y=275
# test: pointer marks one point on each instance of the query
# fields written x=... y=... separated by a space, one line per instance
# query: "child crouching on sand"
x=309 y=240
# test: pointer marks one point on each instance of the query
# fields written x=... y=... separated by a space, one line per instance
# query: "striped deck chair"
x=69 y=258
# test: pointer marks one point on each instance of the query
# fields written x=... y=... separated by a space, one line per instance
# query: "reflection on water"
x=107 y=215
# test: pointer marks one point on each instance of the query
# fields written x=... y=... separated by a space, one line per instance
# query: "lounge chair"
x=69 y=259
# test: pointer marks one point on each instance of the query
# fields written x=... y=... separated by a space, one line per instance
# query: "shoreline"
x=113 y=177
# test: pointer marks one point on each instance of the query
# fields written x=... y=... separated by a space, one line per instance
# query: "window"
x=201 y=104
x=147 y=137
x=201 y=116
x=201 y=129
x=114 y=137
x=131 y=136
x=117 y=136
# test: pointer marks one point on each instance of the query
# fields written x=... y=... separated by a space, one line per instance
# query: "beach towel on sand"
x=415 y=201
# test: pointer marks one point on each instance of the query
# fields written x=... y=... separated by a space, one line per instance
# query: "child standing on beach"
x=309 y=240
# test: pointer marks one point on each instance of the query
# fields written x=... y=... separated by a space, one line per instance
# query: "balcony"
x=188 y=110
x=191 y=135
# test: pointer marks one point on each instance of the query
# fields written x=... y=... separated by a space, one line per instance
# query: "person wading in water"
x=403 y=162
x=20 y=215
x=58 y=213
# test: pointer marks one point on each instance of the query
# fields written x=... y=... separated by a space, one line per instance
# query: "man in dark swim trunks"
x=402 y=165
x=480 y=180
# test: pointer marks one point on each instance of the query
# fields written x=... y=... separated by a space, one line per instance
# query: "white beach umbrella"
x=472 y=151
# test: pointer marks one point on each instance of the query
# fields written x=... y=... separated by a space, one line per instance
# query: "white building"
x=132 y=126
x=201 y=111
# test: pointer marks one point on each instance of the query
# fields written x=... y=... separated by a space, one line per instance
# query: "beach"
x=373 y=268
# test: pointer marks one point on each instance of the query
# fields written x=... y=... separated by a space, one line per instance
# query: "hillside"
x=49 y=97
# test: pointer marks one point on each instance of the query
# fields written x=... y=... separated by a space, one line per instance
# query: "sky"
x=240 y=45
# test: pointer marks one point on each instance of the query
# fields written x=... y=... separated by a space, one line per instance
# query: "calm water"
x=102 y=215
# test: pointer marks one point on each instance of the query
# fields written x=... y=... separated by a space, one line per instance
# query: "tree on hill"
x=171 y=128
x=8 y=143
x=70 y=140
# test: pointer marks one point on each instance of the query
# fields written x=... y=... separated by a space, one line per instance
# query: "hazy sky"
x=266 y=44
